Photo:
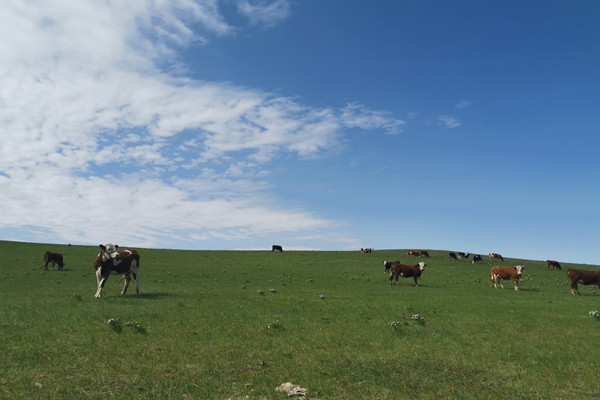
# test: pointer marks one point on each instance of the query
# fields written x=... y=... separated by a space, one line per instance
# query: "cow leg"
x=416 y=281
x=127 y=278
x=516 y=285
x=100 y=287
x=137 y=283
x=46 y=266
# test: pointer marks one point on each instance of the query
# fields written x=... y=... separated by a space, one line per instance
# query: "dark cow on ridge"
x=512 y=273
x=388 y=264
x=423 y=253
x=553 y=264
x=497 y=256
x=406 y=271
x=477 y=258
x=452 y=255
x=584 y=277
x=462 y=255
x=54 y=258
x=110 y=261
x=413 y=253
x=276 y=247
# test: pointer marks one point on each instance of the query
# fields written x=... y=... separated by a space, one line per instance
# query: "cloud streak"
x=99 y=143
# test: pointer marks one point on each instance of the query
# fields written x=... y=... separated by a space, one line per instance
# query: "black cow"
x=452 y=255
x=477 y=258
x=462 y=255
x=277 y=247
x=112 y=262
x=54 y=258
x=388 y=264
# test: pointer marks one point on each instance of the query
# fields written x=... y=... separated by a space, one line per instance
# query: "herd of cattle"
x=111 y=261
x=497 y=273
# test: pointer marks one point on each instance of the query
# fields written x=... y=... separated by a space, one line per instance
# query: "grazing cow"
x=584 y=277
x=276 y=247
x=406 y=271
x=413 y=253
x=497 y=256
x=452 y=255
x=423 y=253
x=553 y=264
x=512 y=273
x=388 y=264
x=477 y=258
x=462 y=255
x=365 y=251
x=110 y=261
x=54 y=258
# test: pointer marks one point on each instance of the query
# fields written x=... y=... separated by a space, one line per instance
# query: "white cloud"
x=448 y=121
x=100 y=145
x=462 y=104
x=267 y=13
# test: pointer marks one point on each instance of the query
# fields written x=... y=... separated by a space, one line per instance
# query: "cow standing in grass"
x=406 y=271
x=553 y=264
x=110 y=261
x=54 y=258
x=512 y=273
x=584 y=277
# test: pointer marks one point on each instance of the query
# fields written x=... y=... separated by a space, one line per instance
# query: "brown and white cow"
x=553 y=264
x=423 y=253
x=110 y=261
x=584 y=277
x=406 y=271
x=496 y=256
x=54 y=258
x=512 y=273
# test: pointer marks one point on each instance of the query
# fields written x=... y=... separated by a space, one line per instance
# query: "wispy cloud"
x=266 y=13
x=100 y=144
x=448 y=121
x=462 y=104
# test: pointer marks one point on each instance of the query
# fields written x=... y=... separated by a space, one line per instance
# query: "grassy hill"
x=237 y=324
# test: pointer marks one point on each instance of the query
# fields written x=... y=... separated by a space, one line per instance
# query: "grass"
x=235 y=325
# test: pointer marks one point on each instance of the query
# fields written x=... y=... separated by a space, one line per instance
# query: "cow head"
x=422 y=265
x=519 y=269
x=110 y=251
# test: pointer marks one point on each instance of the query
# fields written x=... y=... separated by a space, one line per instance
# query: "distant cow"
x=462 y=255
x=110 y=261
x=512 y=273
x=413 y=253
x=553 y=264
x=406 y=271
x=365 y=251
x=54 y=258
x=496 y=256
x=276 y=247
x=452 y=255
x=423 y=253
x=388 y=264
x=477 y=258
x=584 y=277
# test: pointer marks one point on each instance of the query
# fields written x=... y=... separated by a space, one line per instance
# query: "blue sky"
x=329 y=125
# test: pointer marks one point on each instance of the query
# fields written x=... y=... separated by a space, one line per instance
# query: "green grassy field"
x=235 y=325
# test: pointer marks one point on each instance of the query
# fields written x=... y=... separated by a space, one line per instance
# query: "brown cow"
x=497 y=256
x=512 y=273
x=112 y=262
x=584 y=277
x=413 y=253
x=553 y=264
x=406 y=271
x=423 y=253
x=54 y=258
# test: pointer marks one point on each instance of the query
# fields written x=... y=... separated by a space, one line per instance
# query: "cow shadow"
x=154 y=296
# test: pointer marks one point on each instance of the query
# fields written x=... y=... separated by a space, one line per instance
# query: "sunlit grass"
x=226 y=325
